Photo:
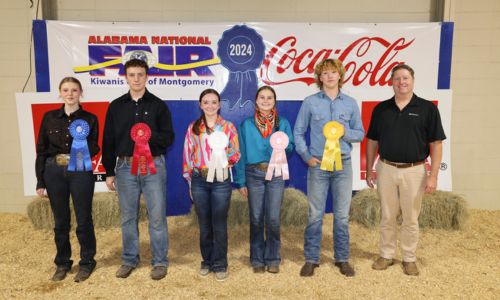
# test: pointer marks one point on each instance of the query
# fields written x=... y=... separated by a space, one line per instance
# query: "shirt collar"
x=145 y=96
x=340 y=95
x=219 y=120
x=61 y=113
x=413 y=101
x=218 y=123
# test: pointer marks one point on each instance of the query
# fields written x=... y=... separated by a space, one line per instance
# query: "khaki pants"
x=400 y=189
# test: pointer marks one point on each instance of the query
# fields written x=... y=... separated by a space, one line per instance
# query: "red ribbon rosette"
x=142 y=158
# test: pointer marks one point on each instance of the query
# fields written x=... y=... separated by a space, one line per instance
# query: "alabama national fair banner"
x=234 y=59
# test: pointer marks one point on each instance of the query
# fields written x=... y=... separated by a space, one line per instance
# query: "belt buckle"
x=127 y=159
x=62 y=160
x=263 y=167
x=204 y=173
x=400 y=165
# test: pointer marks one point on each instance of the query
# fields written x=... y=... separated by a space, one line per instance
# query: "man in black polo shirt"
x=405 y=129
x=139 y=166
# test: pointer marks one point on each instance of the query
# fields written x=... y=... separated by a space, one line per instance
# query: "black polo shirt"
x=122 y=114
x=404 y=135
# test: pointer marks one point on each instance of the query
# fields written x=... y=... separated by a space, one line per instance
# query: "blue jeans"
x=211 y=201
x=264 y=200
x=318 y=182
x=60 y=185
x=153 y=187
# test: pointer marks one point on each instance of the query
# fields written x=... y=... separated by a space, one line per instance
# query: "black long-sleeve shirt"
x=54 y=137
x=122 y=114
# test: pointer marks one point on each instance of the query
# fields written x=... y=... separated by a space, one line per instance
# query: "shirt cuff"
x=40 y=185
x=240 y=185
x=306 y=156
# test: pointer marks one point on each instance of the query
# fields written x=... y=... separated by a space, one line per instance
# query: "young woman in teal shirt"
x=264 y=196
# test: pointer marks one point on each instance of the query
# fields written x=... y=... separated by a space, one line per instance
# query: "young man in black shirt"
x=132 y=170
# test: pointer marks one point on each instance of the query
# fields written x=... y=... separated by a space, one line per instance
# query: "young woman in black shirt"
x=66 y=142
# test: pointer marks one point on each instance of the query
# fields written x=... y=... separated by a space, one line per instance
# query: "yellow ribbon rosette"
x=332 y=157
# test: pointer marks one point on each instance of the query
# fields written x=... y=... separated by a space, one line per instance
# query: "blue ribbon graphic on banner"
x=241 y=51
x=79 y=154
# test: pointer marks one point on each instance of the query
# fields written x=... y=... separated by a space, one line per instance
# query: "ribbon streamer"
x=142 y=158
x=278 y=164
x=79 y=159
x=332 y=156
x=217 y=165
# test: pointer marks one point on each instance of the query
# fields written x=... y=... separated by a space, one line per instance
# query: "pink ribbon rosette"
x=217 y=165
x=278 y=164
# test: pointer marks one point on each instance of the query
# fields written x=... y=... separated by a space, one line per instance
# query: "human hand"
x=371 y=179
x=313 y=162
x=243 y=191
x=110 y=183
x=41 y=192
x=430 y=184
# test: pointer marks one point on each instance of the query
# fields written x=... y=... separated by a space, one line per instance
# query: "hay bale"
x=238 y=210
x=105 y=212
x=443 y=210
x=293 y=210
x=440 y=210
x=365 y=208
x=40 y=213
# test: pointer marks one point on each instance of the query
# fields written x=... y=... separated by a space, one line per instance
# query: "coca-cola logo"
x=367 y=59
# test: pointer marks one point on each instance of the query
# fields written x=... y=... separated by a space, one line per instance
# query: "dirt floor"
x=453 y=264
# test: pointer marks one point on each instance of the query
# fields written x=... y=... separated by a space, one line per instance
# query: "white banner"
x=369 y=51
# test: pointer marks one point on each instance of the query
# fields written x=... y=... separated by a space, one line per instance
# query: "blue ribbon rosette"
x=241 y=51
x=79 y=154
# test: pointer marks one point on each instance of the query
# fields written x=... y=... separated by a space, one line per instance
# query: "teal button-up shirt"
x=255 y=148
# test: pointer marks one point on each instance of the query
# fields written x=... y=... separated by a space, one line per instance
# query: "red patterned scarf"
x=265 y=124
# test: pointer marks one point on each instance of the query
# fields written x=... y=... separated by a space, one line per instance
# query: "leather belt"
x=203 y=172
x=62 y=159
x=402 y=165
x=260 y=166
x=129 y=159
